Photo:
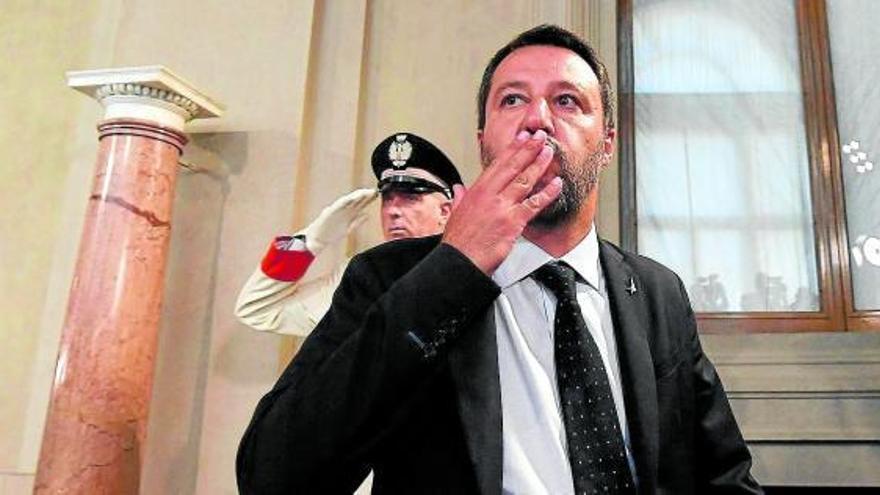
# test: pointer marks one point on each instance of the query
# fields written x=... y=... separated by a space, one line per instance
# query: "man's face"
x=554 y=89
x=406 y=214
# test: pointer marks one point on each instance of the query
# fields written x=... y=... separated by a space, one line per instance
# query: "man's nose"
x=538 y=117
x=392 y=205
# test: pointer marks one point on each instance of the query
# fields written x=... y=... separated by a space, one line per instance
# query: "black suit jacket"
x=401 y=376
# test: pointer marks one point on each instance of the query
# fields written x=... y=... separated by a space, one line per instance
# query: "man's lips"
x=554 y=145
x=552 y=169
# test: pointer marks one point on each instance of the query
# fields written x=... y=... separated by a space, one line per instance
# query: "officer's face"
x=406 y=214
x=550 y=88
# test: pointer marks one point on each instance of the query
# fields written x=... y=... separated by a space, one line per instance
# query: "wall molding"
x=807 y=403
x=793 y=348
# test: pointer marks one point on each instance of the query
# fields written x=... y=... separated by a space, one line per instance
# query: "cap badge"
x=399 y=151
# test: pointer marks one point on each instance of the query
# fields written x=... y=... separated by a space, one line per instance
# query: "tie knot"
x=559 y=278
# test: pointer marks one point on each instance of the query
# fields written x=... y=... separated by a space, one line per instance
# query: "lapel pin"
x=631 y=288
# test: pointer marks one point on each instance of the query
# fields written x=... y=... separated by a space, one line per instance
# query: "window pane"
x=855 y=50
x=722 y=171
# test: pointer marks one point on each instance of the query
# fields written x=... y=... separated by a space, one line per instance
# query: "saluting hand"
x=337 y=220
x=488 y=217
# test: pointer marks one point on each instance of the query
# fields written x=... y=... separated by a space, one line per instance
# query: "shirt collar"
x=526 y=257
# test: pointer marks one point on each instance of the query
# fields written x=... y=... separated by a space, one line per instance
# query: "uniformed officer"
x=293 y=286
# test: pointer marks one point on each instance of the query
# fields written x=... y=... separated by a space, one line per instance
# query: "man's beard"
x=578 y=181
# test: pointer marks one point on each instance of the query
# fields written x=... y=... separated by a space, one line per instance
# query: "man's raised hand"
x=489 y=216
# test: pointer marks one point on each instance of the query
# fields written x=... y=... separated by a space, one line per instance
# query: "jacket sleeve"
x=723 y=461
x=290 y=291
x=382 y=339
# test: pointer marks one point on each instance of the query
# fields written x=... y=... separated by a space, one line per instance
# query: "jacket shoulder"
x=395 y=258
x=649 y=270
x=402 y=247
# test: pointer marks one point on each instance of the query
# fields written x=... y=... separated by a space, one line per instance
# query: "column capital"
x=151 y=93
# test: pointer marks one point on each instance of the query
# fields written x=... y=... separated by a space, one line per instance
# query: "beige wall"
x=310 y=86
x=254 y=57
x=46 y=154
x=245 y=194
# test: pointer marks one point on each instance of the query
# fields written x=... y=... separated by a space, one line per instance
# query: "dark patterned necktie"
x=595 y=444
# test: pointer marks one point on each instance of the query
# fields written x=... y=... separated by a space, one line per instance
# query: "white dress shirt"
x=535 y=447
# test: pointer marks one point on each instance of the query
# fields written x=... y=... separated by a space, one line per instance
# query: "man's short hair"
x=547 y=34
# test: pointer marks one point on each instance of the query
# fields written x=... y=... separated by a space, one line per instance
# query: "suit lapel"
x=473 y=363
x=631 y=324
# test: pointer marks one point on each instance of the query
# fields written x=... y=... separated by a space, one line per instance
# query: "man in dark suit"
x=518 y=353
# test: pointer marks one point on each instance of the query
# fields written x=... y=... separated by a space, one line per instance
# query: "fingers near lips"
x=533 y=205
x=526 y=181
x=522 y=152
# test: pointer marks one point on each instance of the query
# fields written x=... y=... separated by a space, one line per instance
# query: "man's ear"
x=608 y=144
x=445 y=210
x=480 y=137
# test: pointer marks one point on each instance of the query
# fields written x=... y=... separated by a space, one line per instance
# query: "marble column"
x=96 y=425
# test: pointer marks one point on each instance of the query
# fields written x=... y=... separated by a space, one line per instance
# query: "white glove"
x=337 y=220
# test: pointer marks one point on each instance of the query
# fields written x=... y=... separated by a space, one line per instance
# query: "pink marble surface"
x=95 y=430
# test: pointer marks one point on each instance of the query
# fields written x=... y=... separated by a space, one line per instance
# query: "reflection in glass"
x=852 y=26
x=722 y=172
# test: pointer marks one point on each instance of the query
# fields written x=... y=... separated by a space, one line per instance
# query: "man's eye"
x=510 y=100
x=566 y=100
